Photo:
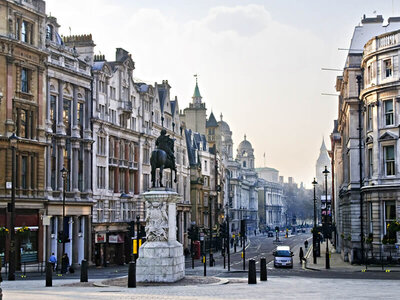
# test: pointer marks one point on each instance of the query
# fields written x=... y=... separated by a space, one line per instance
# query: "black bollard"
x=84 y=271
x=263 y=269
x=49 y=274
x=252 y=272
x=205 y=265
x=132 y=275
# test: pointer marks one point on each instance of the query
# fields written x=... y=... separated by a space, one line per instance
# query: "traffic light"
x=223 y=230
x=193 y=232
x=243 y=227
x=62 y=237
x=276 y=228
x=131 y=228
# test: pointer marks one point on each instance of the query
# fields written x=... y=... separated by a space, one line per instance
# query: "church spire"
x=196 y=95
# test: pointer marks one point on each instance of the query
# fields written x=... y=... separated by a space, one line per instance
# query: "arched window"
x=244 y=164
x=49 y=32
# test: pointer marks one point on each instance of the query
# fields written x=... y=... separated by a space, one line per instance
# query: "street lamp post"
x=210 y=231
x=326 y=172
x=64 y=173
x=137 y=236
x=11 y=258
x=314 y=183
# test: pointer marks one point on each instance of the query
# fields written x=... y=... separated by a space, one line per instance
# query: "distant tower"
x=245 y=154
x=195 y=116
x=322 y=161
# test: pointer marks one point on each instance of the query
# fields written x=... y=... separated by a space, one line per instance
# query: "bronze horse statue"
x=163 y=158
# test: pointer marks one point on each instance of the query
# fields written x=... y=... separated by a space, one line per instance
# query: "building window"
x=49 y=32
x=67 y=116
x=146 y=181
x=389 y=160
x=370 y=163
x=24 y=80
x=388 y=68
x=369 y=117
x=100 y=210
x=131 y=182
x=146 y=156
x=24 y=31
x=101 y=177
x=122 y=180
x=53 y=112
x=244 y=164
x=24 y=172
x=112 y=210
x=111 y=148
x=388 y=104
x=133 y=124
x=370 y=213
x=101 y=145
x=205 y=165
x=112 y=92
x=111 y=179
x=390 y=216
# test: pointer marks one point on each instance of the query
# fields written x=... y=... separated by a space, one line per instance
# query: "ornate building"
x=23 y=112
x=69 y=145
x=373 y=59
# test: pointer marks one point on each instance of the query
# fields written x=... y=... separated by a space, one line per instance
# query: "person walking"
x=53 y=261
x=301 y=255
x=64 y=263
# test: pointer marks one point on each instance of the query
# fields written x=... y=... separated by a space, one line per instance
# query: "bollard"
x=252 y=272
x=132 y=275
x=49 y=274
x=84 y=271
x=263 y=269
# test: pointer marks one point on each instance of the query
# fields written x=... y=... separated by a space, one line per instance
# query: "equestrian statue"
x=163 y=157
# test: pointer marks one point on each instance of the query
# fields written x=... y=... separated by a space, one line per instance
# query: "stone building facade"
x=23 y=112
x=68 y=115
x=374 y=61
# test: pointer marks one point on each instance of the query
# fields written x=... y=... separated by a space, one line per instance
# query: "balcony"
x=133 y=165
x=113 y=161
x=382 y=41
x=123 y=163
x=125 y=106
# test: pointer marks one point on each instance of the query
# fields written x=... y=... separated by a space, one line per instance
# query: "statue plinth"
x=161 y=257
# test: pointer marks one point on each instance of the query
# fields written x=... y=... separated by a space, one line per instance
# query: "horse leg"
x=175 y=176
x=161 y=171
x=153 y=176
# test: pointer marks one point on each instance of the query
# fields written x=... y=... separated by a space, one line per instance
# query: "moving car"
x=270 y=234
x=283 y=257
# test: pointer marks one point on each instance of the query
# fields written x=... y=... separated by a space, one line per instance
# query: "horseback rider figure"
x=163 y=157
x=164 y=142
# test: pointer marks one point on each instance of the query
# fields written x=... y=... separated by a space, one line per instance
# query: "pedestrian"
x=53 y=261
x=1 y=278
x=232 y=240
x=64 y=263
x=301 y=255
x=306 y=244
x=255 y=232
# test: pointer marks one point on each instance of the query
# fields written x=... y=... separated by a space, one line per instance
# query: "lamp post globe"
x=13 y=139
x=64 y=174
x=314 y=183
x=326 y=225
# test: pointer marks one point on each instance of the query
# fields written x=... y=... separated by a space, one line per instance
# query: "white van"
x=283 y=257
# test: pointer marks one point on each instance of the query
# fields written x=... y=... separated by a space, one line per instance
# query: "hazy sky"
x=259 y=62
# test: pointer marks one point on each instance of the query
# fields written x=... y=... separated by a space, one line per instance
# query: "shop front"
x=111 y=248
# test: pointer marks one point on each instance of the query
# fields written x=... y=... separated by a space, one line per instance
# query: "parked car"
x=283 y=257
x=270 y=234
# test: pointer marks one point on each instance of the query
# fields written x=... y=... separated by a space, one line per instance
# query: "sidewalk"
x=337 y=263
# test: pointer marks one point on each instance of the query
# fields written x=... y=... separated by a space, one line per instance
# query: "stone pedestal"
x=161 y=257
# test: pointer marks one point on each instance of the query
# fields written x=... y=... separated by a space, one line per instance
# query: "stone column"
x=172 y=222
x=75 y=166
x=75 y=238
x=60 y=119
x=60 y=150
x=88 y=239
x=48 y=169
x=75 y=128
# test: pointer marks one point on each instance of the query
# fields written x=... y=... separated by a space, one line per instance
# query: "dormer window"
x=49 y=32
